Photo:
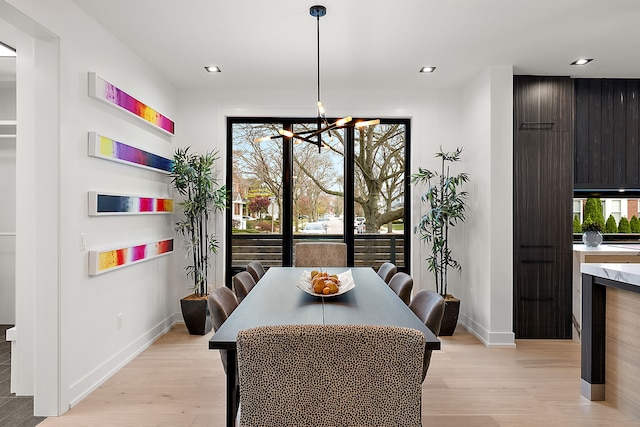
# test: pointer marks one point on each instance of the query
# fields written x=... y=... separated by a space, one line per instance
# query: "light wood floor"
x=179 y=382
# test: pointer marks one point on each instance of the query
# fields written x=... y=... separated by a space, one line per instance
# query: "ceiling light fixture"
x=322 y=125
x=6 y=50
x=427 y=69
x=582 y=61
x=213 y=69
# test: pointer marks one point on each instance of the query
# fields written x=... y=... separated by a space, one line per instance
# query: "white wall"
x=89 y=344
x=7 y=208
x=486 y=286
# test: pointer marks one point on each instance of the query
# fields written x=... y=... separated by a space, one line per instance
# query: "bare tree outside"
x=318 y=188
x=379 y=174
x=257 y=166
x=380 y=171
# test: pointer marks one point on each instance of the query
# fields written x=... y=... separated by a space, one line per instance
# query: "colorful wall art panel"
x=110 y=149
x=104 y=91
x=123 y=204
x=112 y=259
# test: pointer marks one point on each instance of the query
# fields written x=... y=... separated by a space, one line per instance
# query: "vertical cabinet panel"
x=543 y=189
x=607 y=131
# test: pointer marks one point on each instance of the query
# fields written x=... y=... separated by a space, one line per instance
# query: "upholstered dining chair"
x=256 y=269
x=321 y=254
x=429 y=307
x=386 y=271
x=243 y=283
x=222 y=302
x=402 y=284
x=330 y=375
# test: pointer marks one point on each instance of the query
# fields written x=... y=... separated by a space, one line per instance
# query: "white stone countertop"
x=626 y=273
x=609 y=249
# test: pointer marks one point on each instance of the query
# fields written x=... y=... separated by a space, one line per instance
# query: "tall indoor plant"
x=446 y=206
x=202 y=196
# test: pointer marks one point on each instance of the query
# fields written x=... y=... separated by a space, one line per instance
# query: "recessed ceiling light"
x=427 y=69
x=582 y=61
x=213 y=69
x=6 y=50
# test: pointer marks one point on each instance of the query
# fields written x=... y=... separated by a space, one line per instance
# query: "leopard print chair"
x=330 y=375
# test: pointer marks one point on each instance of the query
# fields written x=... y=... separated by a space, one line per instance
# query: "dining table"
x=279 y=299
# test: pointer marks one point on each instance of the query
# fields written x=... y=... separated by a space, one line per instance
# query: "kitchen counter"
x=605 y=253
x=610 y=341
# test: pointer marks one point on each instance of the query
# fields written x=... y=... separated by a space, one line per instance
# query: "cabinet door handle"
x=536 y=261
x=537 y=125
x=536 y=298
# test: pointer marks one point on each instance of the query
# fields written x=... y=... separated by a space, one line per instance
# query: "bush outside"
x=624 y=226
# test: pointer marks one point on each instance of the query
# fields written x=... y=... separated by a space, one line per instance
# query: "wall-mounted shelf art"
x=106 y=92
x=111 y=259
x=110 y=149
x=124 y=204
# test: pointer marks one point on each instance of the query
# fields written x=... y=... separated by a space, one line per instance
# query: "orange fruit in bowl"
x=318 y=287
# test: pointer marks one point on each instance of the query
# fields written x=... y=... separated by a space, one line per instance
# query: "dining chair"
x=256 y=269
x=222 y=302
x=386 y=271
x=402 y=284
x=243 y=283
x=429 y=307
x=321 y=254
x=330 y=375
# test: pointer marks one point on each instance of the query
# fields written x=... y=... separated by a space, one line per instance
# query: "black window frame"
x=349 y=170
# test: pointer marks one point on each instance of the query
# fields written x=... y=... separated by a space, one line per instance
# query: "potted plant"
x=446 y=206
x=591 y=232
x=202 y=197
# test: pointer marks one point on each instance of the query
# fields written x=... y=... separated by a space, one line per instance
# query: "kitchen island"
x=610 y=342
x=617 y=252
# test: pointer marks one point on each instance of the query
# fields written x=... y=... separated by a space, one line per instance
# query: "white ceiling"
x=259 y=43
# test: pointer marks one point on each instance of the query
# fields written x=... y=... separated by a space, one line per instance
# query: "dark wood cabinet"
x=607 y=134
x=543 y=191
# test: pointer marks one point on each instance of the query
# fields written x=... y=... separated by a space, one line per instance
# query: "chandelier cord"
x=315 y=136
x=318 y=48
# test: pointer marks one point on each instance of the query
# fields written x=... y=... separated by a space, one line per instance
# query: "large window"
x=285 y=190
x=618 y=217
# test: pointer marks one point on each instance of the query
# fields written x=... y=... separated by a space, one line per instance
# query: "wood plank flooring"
x=179 y=382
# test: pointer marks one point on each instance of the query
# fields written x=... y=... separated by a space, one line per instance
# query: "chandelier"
x=322 y=125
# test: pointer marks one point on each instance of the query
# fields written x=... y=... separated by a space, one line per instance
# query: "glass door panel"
x=318 y=186
x=256 y=195
x=379 y=186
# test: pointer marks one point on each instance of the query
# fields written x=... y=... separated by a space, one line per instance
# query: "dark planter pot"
x=450 y=318
x=195 y=313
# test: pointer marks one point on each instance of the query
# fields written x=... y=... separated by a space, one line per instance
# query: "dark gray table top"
x=276 y=300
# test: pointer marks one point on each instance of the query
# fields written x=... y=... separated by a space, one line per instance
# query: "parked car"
x=314 y=228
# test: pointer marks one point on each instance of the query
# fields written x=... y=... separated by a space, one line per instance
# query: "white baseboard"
x=90 y=382
x=489 y=339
